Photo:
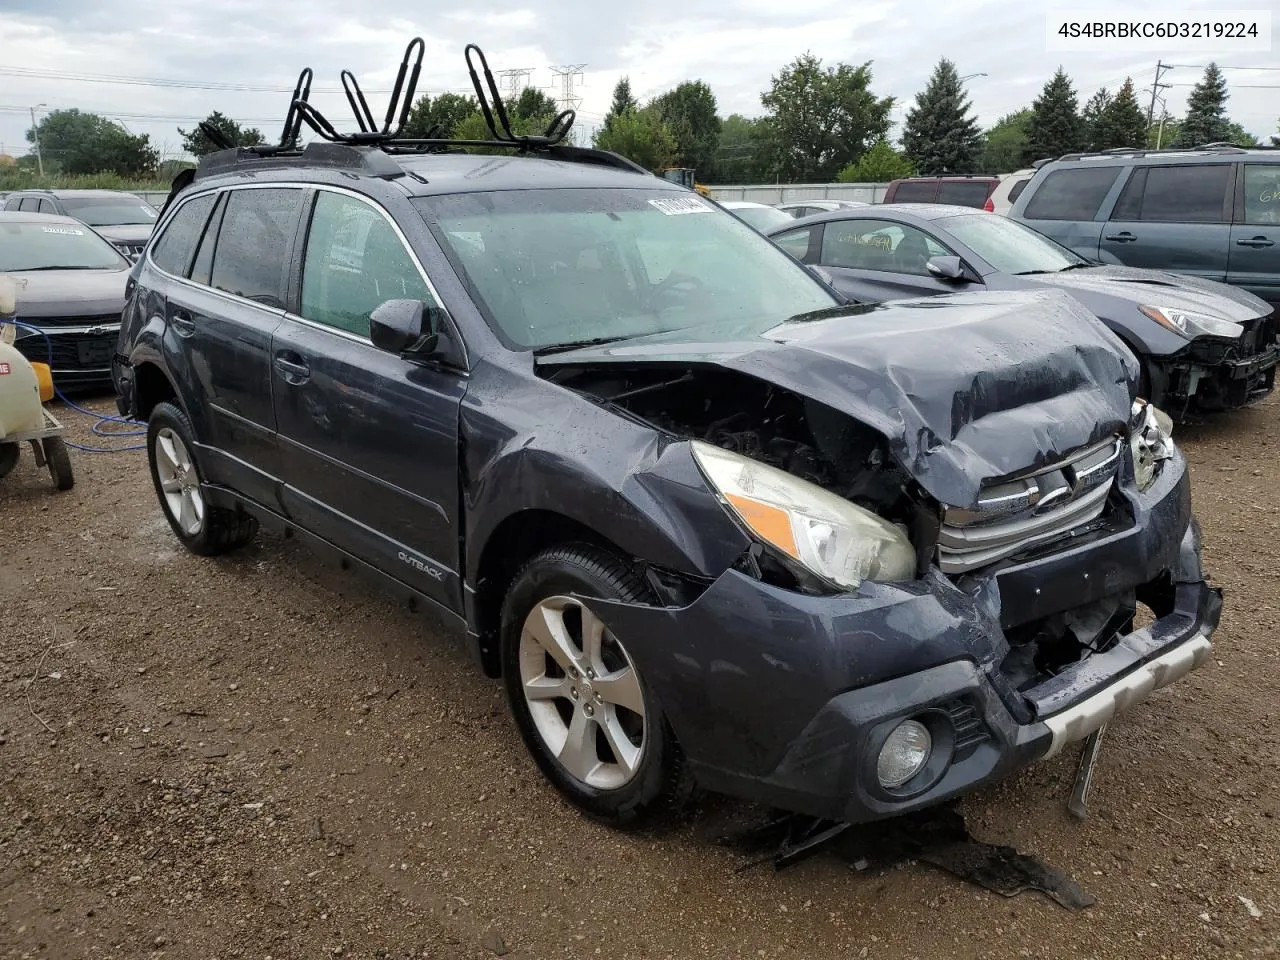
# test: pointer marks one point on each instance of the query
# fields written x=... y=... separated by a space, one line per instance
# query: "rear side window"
x=172 y=252
x=1190 y=193
x=1262 y=193
x=254 y=242
x=1016 y=192
x=796 y=242
x=355 y=262
x=964 y=194
x=1071 y=194
x=12 y=203
x=29 y=205
x=917 y=191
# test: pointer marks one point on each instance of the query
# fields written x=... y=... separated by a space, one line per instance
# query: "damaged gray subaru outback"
x=709 y=525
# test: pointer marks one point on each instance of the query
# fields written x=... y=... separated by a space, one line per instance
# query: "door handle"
x=292 y=368
x=1123 y=237
x=1256 y=242
x=182 y=323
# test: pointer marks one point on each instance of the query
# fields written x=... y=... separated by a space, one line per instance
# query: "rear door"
x=965 y=193
x=220 y=322
x=876 y=259
x=1254 y=256
x=1066 y=204
x=1173 y=217
x=369 y=440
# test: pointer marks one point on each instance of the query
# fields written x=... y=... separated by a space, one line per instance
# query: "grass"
x=11 y=179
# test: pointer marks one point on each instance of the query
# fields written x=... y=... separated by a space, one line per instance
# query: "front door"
x=1255 y=236
x=1172 y=217
x=882 y=260
x=369 y=440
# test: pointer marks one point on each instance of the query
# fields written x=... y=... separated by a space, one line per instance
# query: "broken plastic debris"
x=1250 y=906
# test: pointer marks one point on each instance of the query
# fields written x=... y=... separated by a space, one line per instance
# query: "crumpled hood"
x=966 y=388
x=71 y=293
x=1158 y=289
x=126 y=232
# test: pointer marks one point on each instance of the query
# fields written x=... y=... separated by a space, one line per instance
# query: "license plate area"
x=96 y=352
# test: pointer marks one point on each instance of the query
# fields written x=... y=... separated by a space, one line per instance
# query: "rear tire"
x=583 y=710
x=9 y=453
x=203 y=529
x=59 y=462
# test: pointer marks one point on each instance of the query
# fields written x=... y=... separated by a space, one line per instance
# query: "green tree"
x=445 y=111
x=741 y=156
x=1092 y=123
x=533 y=104
x=941 y=135
x=1206 y=120
x=641 y=136
x=623 y=102
x=819 y=120
x=1122 y=122
x=1240 y=136
x=689 y=111
x=473 y=127
x=83 y=143
x=197 y=144
x=1005 y=149
x=880 y=164
x=1158 y=137
x=1055 y=123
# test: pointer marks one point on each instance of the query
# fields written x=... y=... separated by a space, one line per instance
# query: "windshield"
x=52 y=246
x=554 y=267
x=762 y=218
x=110 y=211
x=1009 y=246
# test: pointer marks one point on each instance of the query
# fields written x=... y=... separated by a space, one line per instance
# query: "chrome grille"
x=1029 y=511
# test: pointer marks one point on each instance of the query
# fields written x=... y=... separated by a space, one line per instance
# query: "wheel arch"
x=152 y=386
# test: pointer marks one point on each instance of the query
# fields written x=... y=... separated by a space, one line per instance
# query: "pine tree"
x=1055 y=126
x=1206 y=120
x=1122 y=124
x=941 y=134
x=1093 y=122
x=623 y=102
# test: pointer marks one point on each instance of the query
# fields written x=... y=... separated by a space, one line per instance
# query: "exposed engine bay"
x=771 y=424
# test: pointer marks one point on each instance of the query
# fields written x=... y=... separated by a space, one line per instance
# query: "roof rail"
x=1220 y=147
x=370 y=148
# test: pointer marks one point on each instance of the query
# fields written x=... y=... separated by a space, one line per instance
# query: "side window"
x=29 y=205
x=1194 y=193
x=964 y=193
x=1262 y=193
x=12 y=203
x=1071 y=194
x=172 y=252
x=917 y=191
x=202 y=267
x=879 y=245
x=355 y=261
x=1016 y=192
x=252 y=255
x=795 y=243
x=46 y=206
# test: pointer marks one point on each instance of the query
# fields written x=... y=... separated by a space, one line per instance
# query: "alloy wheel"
x=179 y=482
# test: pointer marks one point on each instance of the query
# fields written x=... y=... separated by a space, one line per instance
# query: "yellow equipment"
x=24 y=389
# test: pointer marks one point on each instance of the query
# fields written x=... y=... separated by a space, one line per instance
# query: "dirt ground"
x=258 y=757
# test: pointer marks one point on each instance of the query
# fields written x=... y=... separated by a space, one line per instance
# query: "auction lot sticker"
x=1197 y=32
x=676 y=206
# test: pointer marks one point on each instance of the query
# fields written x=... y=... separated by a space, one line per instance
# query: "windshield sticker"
x=68 y=231
x=676 y=206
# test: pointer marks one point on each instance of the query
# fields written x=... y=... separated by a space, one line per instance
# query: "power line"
x=569 y=99
x=1235 y=86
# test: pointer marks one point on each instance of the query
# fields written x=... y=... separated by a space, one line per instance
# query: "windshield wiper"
x=1037 y=273
x=57 y=266
x=575 y=344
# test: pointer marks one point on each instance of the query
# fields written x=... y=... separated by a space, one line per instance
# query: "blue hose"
x=99 y=428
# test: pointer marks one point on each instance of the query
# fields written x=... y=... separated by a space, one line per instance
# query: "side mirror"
x=405 y=326
x=947 y=268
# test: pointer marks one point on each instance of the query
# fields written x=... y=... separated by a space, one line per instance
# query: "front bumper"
x=786 y=699
x=1204 y=380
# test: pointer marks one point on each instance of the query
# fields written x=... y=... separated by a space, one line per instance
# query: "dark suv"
x=125 y=219
x=708 y=523
x=1212 y=212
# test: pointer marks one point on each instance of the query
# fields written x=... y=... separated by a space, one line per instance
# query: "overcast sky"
x=734 y=45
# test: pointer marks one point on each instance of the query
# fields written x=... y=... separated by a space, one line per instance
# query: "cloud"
x=734 y=45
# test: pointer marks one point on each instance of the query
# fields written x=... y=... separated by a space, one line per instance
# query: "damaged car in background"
x=709 y=525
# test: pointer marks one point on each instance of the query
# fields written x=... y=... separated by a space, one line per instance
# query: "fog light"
x=904 y=753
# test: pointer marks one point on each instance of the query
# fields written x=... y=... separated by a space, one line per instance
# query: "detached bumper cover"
x=1210 y=378
x=786 y=699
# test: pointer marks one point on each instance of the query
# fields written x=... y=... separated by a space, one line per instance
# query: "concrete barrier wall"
x=782 y=193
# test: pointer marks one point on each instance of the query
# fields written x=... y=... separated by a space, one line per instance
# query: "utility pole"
x=1156 y=87
x=512 y=82
x=569 y=99
x=35 y=132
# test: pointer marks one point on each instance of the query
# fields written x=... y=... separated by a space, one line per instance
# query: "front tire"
x=9 y=453
x=203 y=529
x=584 y=711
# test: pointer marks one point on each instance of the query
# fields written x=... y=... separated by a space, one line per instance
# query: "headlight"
x=1150 y=441
x=829 y=536
x=1192 y=324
